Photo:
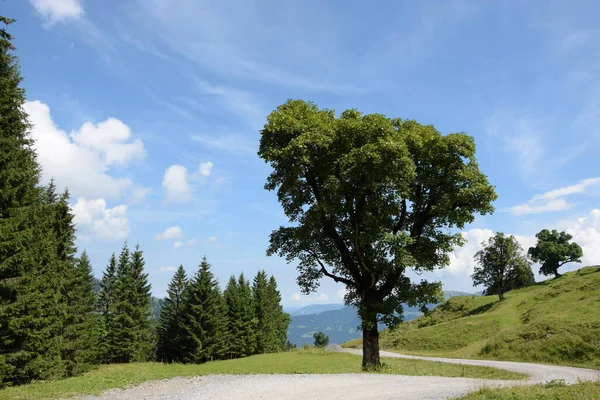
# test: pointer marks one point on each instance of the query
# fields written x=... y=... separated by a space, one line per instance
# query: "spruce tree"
x=82 y=329
x=205 y=321
x=120 y=329
x=106 y=299
x=142 y=308
x=271 y=321
x=280 y=319
x=240 y=315
x=170 y=329
x=129 y=334
x=30 y=299
x=261 y=311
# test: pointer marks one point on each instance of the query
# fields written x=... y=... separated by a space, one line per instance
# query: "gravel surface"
x=341 y=386
x=300 y=387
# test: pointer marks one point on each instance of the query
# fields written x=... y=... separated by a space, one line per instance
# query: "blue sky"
x=150 y=111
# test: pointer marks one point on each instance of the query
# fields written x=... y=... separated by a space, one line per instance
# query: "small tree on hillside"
x=369 y=199
x=522 y=277
x=500 y=263
x=553 y=250
x=321 y=340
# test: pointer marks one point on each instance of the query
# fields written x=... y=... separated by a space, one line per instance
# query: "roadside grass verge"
x=550 y=391
x=296 y=362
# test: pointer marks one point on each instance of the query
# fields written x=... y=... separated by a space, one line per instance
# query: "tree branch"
x=402 y=218
x=330 y=231
x=336 y=278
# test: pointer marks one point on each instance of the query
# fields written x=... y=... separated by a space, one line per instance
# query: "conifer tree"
x=240 y=315
x=142 y=308
x=30 y=303
x=170 y=329
x=120 y=330
x=271 y=321
x=106 y=299
x=260 y=303
x=280 y=319
x=205 y=321
x=82 y=330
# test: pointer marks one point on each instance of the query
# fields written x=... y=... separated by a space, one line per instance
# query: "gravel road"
x=340 y=386
x=538 y=373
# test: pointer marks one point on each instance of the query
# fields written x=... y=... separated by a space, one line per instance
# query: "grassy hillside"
x=556 y=321
x=341 y=324
x=297 y=362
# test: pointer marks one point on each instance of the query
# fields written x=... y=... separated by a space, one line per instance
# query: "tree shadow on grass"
x=482 y=309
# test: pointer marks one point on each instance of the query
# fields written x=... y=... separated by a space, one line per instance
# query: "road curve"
x=538 y=372
x=341 y=386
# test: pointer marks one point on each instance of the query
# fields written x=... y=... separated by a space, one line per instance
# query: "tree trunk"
x=370 y=341
x=501 y=293
x=556 y=274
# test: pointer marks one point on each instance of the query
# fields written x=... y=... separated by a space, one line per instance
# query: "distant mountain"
x=315 y=309
x=341 y=323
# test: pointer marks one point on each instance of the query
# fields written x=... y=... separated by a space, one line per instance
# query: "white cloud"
x=176 y=182
x=553 y=200
x=138 y=194
x=341 y=293
x=296 y=296
x=79 y=160
x=322 y=297
x=54 y=11
x=538 y=207
x=172 y=232
x=94 y=219
x=204 y=170
x=169 y=268
x=179 y=244
x=230 y=142
x=175 y=185
x=109 y=138
x=586 y=232
x=522 y=137
x=461 y=260
x=212 y=239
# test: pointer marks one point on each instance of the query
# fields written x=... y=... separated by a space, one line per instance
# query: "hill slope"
x=555 y=321
x=340 y=324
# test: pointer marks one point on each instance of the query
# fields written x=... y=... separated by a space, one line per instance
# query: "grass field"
x=551 y=391
x=556 y=321
x=298 y=362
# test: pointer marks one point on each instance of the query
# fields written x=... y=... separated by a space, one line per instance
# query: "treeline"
x=52 y=322
x=198 y=323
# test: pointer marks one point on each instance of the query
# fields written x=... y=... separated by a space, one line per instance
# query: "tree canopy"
x=369 y=198
x=321 y=340
x=501 y=266
x=553 y=250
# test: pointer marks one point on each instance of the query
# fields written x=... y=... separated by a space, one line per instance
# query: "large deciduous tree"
x=553 y=250
x=368 y=199
x=501 y=264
